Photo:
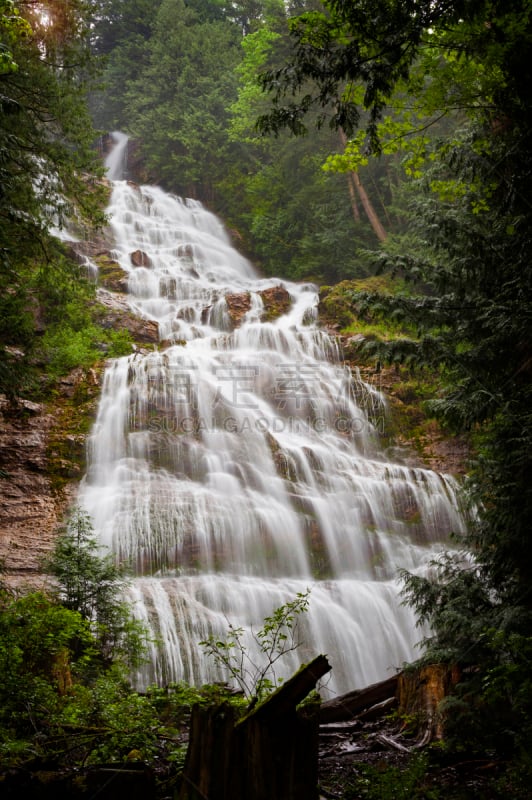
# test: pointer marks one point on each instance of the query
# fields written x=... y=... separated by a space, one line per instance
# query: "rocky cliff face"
x=42 y=455
x=30 y=509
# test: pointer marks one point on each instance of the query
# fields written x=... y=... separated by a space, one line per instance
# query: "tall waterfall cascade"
x=235 y=466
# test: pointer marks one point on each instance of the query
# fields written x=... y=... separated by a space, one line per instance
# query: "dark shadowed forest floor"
x=365 y=761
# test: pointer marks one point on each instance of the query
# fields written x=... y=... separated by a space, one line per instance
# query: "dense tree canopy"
x=46 y=154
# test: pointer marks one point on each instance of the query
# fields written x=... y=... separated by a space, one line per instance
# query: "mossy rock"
x=74 y=409
x=111 y=275
x=277 y=301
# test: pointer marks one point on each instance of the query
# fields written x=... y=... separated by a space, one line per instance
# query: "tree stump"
x=420 y=692
x=270 y=754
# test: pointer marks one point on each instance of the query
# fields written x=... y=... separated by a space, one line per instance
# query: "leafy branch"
x=276 y=638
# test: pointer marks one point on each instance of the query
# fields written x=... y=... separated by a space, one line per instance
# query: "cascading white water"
x=115 y=163
x=234 y=467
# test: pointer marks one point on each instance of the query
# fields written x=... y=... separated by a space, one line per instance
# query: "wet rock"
x=71 y=382
x=185 y=251
x=140 y=259
x=29 y=510
x=237 y=306
x=143 y=331
x=97 y=246
x=116 y=313
x=14 y=352
x=110 y=274
x=277 y=301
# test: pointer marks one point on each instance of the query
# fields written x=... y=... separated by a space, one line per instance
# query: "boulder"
x=237 y=306
x=140 y=259
x=277 y=302
x=116 y=313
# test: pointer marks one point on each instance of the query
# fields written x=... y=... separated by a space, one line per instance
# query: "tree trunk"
x=375 y=222
x=355 y=183
x=353 y=197
x=270 y=754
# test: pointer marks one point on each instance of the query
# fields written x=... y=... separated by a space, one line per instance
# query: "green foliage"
x=12 y=28
x=128 y=722
x=45 y=155
x=57 y=702
x=393 y=783
x=37 y=639
x=351 y=62
x=365 y=305
x=93 y=585
x=256 y=47
x=121 y=343
x=66 y=346
x=63 y=666
x=318 y=244
x=49 y=318
x=276 y=638
x=176 y=108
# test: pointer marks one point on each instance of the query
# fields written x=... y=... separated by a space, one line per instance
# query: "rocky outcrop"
x=113 y=309
x=238 y=306
x=116 y=313
x=42 y=459
x=110 y=274
x=28 y=509
x=140 y=259
x=42 y=445
x=411 y=435
x=277 y=301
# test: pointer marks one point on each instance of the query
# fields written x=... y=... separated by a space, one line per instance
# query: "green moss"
x=74 y=413
x=110 y=274
x=277 y=302
x=338 y=307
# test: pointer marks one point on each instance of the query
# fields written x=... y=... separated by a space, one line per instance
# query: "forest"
x=380 y=149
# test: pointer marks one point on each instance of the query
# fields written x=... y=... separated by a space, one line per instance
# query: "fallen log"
x=377 y=711
x=390 y=742
x=272 y=752
x=354 y=703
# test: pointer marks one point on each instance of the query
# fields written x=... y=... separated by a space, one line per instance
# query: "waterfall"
x=236 y=465
x=116 y=161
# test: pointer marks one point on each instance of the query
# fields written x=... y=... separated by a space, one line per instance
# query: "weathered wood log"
x=416 y=693
x=390 y=742
x=209 y=753
x=378 y=710
x=294 y=691
x=270 y=754
x=353 y=703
